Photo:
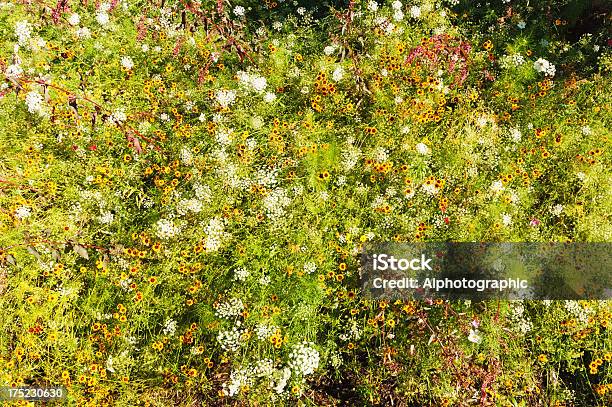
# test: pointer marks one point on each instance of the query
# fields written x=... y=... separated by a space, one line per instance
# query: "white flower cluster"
x=127 y=62
x=202 y=192
x=513 y=60
x=262 y=369
x=545 y=67
x=276 y=202
x=230 y=309
x=515 y=135
x=415 y=11
x=557 y=209
x=388 y=27
x=239 y=11
x=422 y=149
x=169 y=327
x=165 y=229
x=241 y=274
x=223 y=136
x=497 y=186
x=240 y=378
x=263 y=331
x=274 y=377
x=430 y=188
x=23 y=31
x=519 y=318
x=579 y=311
x=74 y=19
x=34 y=102
x=381 y=154
x=118 y=117
x=310 y=267
x=215 y=235
x=186 y=156
x=225 y=97
x=23 y=212
x=350 y=158
x=102 y=18
x=266 y=177
x=106 y=217
x=189 y=205
x=269 y=97
x=329 y=49
x=13 y=71
x=83 y=33
x=256 y=82
x=304 y=359
x=230 y=339
x=338 y=74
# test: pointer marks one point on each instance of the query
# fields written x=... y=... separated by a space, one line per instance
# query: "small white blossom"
x=269 y=97
x=328 y=50
x=83 y=33
x=415 y=12
x=545 y=67
x=23 y=212
x=226 y=97
x=474 y=336
x=127 y=62
x=239 y=11
x=23 y=31
x=34 y=101
x=422 y=149
x=557 y=209
x=338 y=74
x=74 y=19
x=102 y=18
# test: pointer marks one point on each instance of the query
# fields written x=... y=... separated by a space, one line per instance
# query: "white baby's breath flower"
x=259 y=83
x=23 y=31
x=338 y=74
x=269 y=97
x=226 y=97
x=74 y=19
x=543 y=66
x=415 y=12
x=239 y=11
x=422 y=149
x=102 y=18
x=474 y=336
x=557 y=209
x=83 y=33
x=328 y=50
x=34 y=101
x=23 y=212
x=127 y=62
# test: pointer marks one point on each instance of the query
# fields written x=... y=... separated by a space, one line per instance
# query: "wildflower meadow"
x=186 y=187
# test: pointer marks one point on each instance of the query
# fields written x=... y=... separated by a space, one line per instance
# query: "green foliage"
x=185 y=190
